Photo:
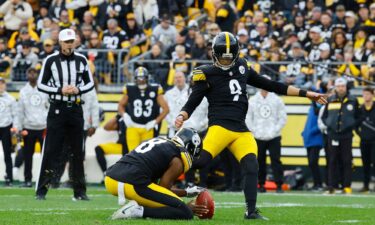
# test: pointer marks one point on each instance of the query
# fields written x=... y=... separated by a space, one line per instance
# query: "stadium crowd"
x=304 y=43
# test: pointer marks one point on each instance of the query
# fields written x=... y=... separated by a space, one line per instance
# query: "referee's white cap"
x=67 y=34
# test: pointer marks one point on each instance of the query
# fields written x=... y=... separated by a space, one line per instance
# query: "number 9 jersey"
x=142 y=104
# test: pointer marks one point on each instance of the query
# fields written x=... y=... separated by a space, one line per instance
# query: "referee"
x=65 y=76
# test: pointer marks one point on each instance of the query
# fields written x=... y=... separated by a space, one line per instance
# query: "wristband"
x=302 y=93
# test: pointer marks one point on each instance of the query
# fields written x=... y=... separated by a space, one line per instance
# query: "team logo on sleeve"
x=2 y=106
x=242 y=69
x=35 y=100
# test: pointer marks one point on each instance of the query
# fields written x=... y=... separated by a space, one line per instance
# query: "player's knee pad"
x=203 y=160
x=249 y=164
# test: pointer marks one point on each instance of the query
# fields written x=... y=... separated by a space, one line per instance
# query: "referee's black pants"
x=63 y=122
x=28 y=150
x=5 y=137
x=274 y=148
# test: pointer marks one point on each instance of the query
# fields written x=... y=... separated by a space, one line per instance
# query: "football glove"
x=194 y=191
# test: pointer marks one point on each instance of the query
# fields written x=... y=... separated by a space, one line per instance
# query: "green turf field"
x=17 y=206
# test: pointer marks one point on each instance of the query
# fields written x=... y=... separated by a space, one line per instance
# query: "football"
x=205 y=198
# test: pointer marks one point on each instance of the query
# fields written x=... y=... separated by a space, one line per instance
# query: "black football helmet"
x=141 y=77
x=225 y=50
x=190 y=139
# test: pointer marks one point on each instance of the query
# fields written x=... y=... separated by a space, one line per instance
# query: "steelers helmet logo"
x=35 y=100
x=196 y=140
x=242 y=69
x=2 y=106
x=265 y=111
x=152 y=94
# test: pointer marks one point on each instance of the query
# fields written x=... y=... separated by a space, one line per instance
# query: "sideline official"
x=65 y=76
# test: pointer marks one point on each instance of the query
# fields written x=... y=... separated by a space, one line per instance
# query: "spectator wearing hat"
x=243 y=40
x=351 y=25
x=300 y=27
x=32 y=114
x=15 y=13
x=225 y=15
x=340 y=116
x=281 y=21
x=23 y=61
x=312 y=47
x=323 y=69
x=364 y=13
x=366 y=131
x=8 y=124
x=48 y=49
x=192 y=31
x=316 y=13
x=295 y=72
x=248 y=20
x=339 y=16
x=132 y=29
x=265 y=118
x=165 y=32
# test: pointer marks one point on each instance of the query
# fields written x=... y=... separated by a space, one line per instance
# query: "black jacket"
x=366 y=123
x=341 y=116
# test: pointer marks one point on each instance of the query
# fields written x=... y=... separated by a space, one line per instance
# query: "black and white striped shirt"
x=59 y=70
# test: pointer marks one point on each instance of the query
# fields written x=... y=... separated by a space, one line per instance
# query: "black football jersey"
x=226 y=93
x=114 y=41
x=142 y=105
x=151 y=159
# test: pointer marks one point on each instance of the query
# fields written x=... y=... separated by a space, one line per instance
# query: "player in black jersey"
x=140 y=106
x=224 y=85
x=135 y=177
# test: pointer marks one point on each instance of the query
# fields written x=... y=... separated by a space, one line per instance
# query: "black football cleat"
x=255 y=215
x=80 y=197
x=40 y=197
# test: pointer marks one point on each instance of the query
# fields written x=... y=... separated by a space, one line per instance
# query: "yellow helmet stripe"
x=140 y=71
x=227 y=42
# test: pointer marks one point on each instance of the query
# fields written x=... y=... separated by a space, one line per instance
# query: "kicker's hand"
x=317 y=97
